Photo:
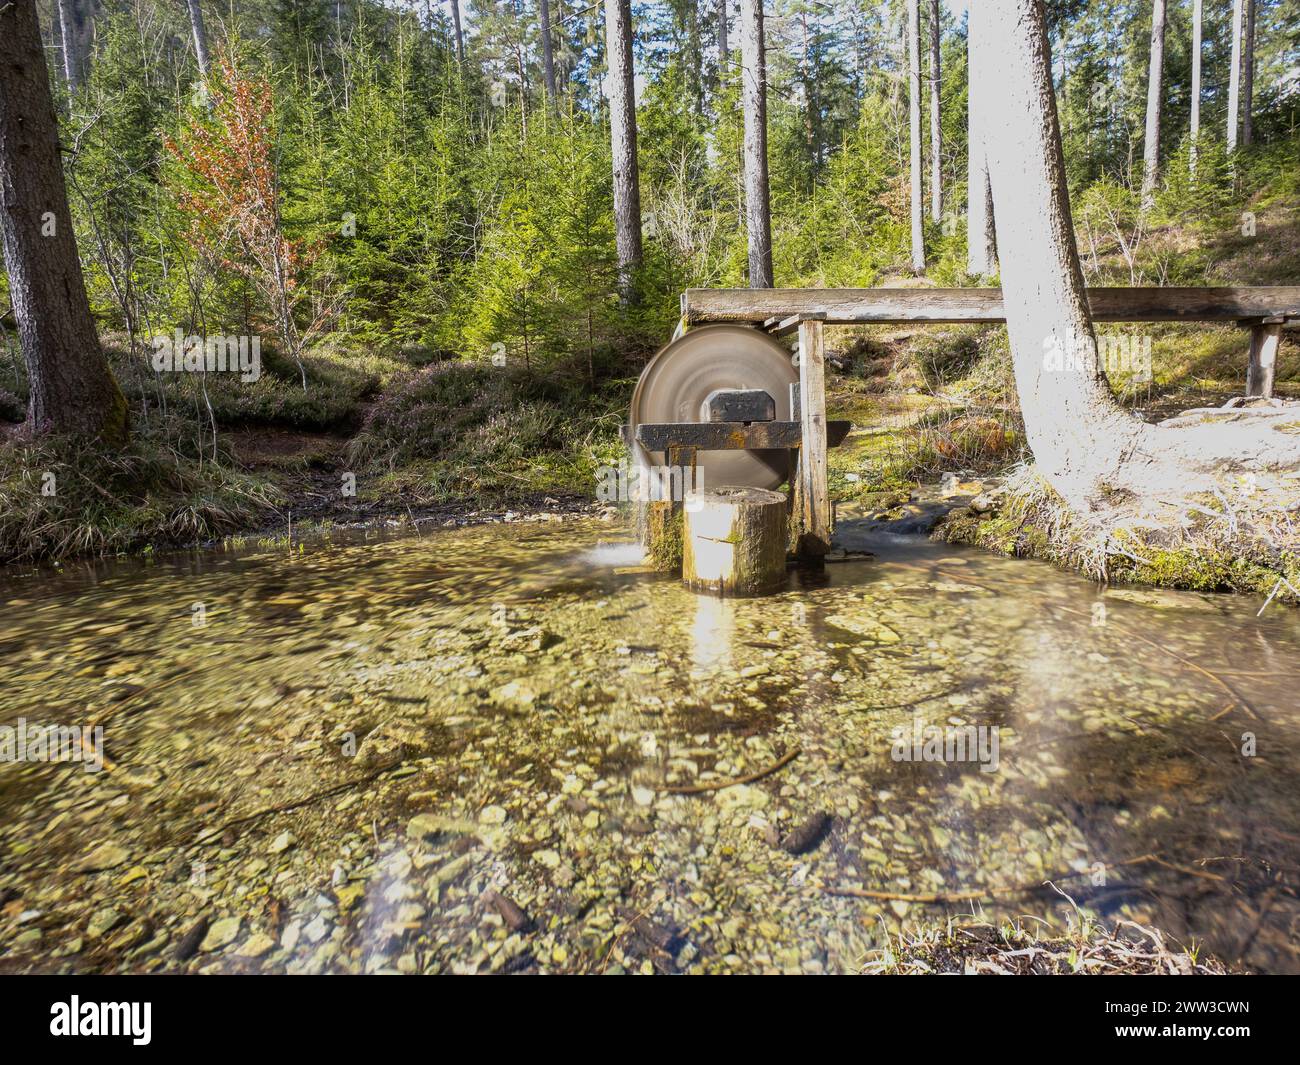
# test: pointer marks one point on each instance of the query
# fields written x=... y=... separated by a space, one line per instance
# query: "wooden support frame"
x=1265 y=337
x=814 y=508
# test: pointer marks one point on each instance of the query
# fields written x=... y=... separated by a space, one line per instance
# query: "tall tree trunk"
x=72 y=388
x=622 y=123
x=1234 y=77
x=455 y=29
x=980 y=247
x=1091 y=451
x=758 y=209
x=809 y=106
x=914 y=127
x=936 y=127
x=1196 y=82
x=724 y=49
x=1248 y=75
x=69 y=37
x=548 y=57
x=1155 y=87
x=200 y=35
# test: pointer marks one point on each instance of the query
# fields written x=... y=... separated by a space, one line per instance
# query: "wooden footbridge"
x=1264 y=311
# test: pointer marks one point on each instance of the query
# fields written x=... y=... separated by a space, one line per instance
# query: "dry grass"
x=61 y=497
x=1028 y=947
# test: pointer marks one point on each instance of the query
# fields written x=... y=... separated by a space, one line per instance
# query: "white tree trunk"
x=914 y=128
x=936 y=125
x=758 y=209
x=1196 y=81
x=980 y=251
x=622 y=124
x=1155 y=86
x=1088 y=448
x=1234 y=76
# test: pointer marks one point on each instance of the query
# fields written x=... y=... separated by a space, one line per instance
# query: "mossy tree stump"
x=661 y=525
x=734 y=541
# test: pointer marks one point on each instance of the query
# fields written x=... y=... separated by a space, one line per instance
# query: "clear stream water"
x=327 y=759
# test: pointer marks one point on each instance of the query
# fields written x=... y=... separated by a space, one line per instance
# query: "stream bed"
x=500 y=749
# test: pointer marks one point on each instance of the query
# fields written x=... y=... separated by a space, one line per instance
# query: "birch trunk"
x=71 y=387
x=1155 y=84
x=622 y=124
x=758 y=210
x=914 y=128
x=936 y=126
x=200 y=35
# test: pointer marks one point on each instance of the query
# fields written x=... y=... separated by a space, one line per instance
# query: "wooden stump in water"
x=734 y=540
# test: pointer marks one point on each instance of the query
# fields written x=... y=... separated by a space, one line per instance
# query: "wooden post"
x=1264 y=340
x=734 y=541
x=814 y=496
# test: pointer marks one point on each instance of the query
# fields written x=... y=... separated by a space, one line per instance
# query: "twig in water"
x=295 y=804
x=716 y=785
x=1277 y=588
x=1015 y=889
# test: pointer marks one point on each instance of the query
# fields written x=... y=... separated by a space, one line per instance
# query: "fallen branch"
x=717 y=785
x=1237 y=697
x=296 y=804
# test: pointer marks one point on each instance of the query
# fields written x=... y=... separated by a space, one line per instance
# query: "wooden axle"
x=732 y=436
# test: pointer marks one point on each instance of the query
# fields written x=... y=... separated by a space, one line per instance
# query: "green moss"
x=1023 y=531
x=665 y=539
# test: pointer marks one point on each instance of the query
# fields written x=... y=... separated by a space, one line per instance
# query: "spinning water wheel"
x=724 y=402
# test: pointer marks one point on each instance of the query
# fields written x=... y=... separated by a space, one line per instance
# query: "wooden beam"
x=847 y=306
x=814 y=496
x=732 y=436
x=1264 y=340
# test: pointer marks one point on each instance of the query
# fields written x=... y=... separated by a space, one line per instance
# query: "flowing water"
x=329 y=758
